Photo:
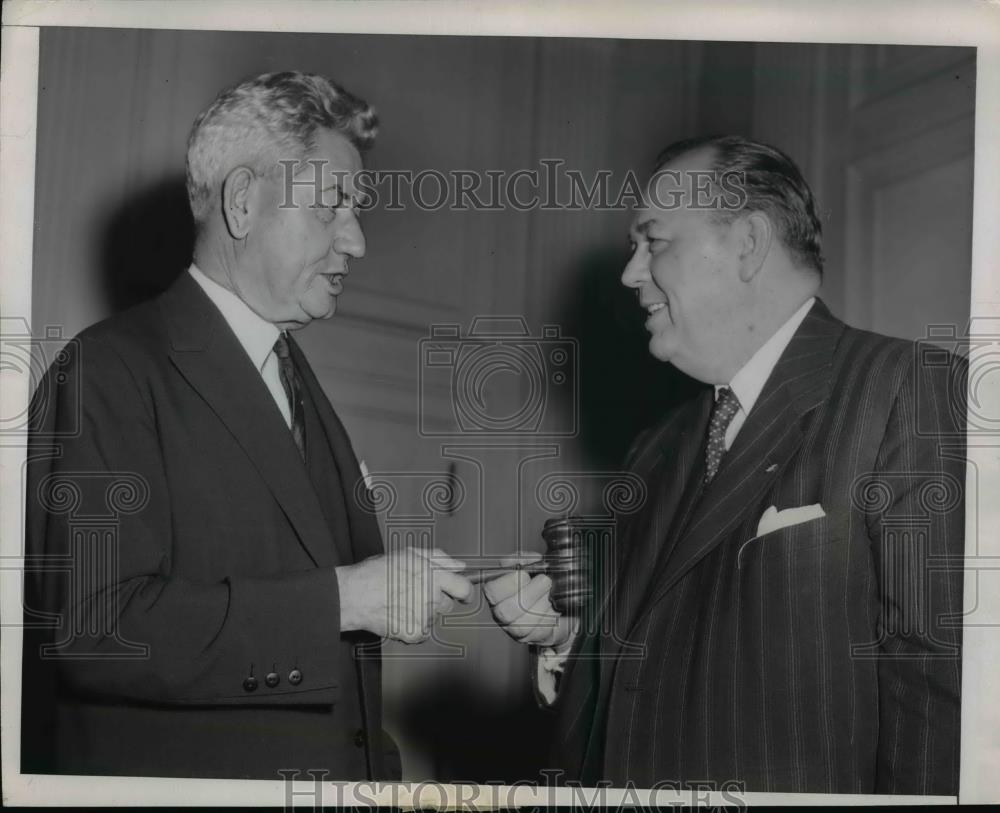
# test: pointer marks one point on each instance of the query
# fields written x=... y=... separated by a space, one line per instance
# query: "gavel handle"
x=484 y=574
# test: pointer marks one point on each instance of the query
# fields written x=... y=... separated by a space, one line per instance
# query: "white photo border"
x=927 y=22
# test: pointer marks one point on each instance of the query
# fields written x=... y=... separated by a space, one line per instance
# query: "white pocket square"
x=773 y=519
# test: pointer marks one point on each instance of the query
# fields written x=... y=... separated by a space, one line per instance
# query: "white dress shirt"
x=752 y=376
x=747 y=385
x=256 y=335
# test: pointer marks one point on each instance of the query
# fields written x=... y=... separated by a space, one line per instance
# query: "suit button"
x=250 y=684
x=272 y=680
x=295 y=677
x=359 y=738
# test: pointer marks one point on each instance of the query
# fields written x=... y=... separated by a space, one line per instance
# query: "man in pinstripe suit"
x=786 y=612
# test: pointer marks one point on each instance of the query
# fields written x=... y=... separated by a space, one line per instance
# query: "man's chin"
x=659 y=349
x=316 y=311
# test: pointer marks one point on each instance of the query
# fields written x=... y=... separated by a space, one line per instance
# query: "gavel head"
x=568 y=563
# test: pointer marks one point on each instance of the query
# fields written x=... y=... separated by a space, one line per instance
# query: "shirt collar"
x=256 y=335
x=752 y=376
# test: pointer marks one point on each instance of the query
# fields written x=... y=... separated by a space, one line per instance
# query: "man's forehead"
x=672 y=187
x=681 y=177
x=314 y=173
x=313 y=176
x=334 y=158
x=699 y=160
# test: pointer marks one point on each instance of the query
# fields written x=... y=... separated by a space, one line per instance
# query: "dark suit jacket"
x=822 y=657
x=187 y=551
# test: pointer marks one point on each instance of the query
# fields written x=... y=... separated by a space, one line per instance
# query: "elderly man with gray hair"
x=232 y=625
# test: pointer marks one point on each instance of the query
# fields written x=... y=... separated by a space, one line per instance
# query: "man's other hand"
x=398 y=595
x=521 y=606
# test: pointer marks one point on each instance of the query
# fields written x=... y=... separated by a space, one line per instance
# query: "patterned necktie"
x=293 y=390
x=726 y=406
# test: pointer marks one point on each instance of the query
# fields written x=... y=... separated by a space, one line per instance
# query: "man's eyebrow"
x=336 y=187
x=643 y=227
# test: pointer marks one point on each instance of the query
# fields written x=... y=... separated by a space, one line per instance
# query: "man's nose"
x=636 y=271
x=350 y=239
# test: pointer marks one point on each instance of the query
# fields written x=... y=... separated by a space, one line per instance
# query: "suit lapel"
x=668 y=462
x=773 y=431
x=210 y=357
x=364 y=537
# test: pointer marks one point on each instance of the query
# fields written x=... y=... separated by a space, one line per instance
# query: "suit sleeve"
x=918 y=544
x=130 y=629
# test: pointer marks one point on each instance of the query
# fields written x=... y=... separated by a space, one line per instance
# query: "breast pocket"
x=800 y=598
x=800 y=542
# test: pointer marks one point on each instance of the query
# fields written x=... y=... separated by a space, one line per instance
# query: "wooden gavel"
x=567 y=561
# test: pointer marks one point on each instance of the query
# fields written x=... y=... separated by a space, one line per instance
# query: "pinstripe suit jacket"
x=822 y=657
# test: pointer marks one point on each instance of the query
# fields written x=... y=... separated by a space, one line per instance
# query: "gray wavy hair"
x=275 y=115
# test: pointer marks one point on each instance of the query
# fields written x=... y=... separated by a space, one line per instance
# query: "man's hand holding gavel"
x=522 y=607
x=397 y=595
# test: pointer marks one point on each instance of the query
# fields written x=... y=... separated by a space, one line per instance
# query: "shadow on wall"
x=146 y=243
x=623 y=389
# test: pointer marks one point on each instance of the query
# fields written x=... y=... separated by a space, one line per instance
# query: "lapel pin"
x=772 y=468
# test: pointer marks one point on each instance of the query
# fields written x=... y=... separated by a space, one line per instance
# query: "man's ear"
x=236 y=201
x=755 y=238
